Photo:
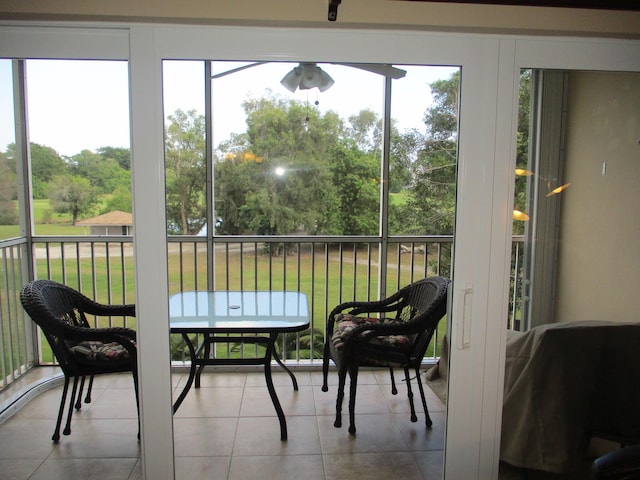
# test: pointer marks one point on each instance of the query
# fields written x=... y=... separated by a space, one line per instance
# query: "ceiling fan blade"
x=239 y=69
x=380 y=69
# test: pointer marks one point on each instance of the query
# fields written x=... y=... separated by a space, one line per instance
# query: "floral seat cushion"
x=344 y=324
x=94 y=351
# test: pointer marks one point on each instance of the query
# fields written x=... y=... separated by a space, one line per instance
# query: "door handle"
x=463 y=341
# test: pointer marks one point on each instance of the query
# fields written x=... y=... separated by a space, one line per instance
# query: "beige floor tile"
x=114 y=380
x=374 y=433
x=201 y=437
x=261 y=436
x=21 y=438
x=215 y=378
x=417 y=436
x=431 y=464
x=369 y=399
x=44 y=406
x=256 y=401
x=371 y=466
x=325 y=402
x=211 y=468
x=229 y=429
x=136 y=473
x=110 y=403
x=85 y=469
x=99 y=438
x=279 y=377
x=18 y=469
x=211 y=402
x=309 y=467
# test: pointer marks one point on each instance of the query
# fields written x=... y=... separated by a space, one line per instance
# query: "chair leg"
x=325 y=367
x=394 y=389
x=65 y=388
x=135 y=388
x=407 y=378
x=74 y=389
x=342 y=375
x=428 y=421
x=353 y=384
x=78 y=404
x=87 y=399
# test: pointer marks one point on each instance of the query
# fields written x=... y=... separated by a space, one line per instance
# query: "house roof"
x=115 y=217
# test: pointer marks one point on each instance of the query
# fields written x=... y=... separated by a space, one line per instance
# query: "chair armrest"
x=95 y=308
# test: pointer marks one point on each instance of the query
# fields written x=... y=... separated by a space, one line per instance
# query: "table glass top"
x=257 y=311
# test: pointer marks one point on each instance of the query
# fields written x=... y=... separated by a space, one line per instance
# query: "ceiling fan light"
x=325 y=81
x=306 y=76
x=292 y=79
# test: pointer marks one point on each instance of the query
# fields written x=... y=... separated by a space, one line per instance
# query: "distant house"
x=111 y=223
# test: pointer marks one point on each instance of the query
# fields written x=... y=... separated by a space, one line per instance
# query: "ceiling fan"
x=309 y=75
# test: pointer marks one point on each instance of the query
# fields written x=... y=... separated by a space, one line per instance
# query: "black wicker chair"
x=81 y=351
x=391 y=333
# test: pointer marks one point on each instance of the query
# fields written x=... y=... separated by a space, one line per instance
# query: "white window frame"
x=489 y=93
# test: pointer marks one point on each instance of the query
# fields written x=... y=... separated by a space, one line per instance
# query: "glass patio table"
x=249 y=317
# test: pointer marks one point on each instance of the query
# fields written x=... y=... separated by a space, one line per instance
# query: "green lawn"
x=187 y=272
x=56 y=223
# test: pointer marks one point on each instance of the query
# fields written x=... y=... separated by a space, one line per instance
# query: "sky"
x=76 y=105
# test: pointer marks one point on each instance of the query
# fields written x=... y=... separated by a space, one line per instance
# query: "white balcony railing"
x=329 y=270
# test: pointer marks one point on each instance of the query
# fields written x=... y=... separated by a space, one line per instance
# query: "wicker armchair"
x=391 y=333
x=81 y=351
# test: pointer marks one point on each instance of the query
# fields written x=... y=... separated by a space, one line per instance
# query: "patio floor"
x=228 y=429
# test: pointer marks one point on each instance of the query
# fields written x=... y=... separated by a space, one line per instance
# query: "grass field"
x=326 y=281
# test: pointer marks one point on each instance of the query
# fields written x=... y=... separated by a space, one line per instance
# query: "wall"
x=600 y=221
x=351 y=13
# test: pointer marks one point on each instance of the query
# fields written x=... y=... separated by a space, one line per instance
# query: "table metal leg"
x=192 y=373
x=279 y=362
x=272 y=391
x=207 y=353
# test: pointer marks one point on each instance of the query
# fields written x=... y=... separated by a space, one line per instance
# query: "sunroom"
x=576 y=182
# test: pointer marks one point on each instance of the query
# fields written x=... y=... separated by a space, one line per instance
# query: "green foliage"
x=277 y=178
x=121 y=155
x=104 y=174
x=357 y=177
x=292 y=345
x=522 y=158
x=45 y=164
x=185 y=173
x=120 y=200
x=8 y=208
x=430 y=207
x=72 y=194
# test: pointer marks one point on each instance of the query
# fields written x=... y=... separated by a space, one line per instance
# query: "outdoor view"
x=286 y=165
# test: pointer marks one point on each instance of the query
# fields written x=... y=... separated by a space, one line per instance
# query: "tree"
x=365 y=129
x=357 y=175
x=120 y=200
x=185 y=172
x=72 y=194
x=121 y=155
x=522 y=156
x=105 y=174
x=292 y=186
x=45 y=164
x=430 y=208
x=8 y=212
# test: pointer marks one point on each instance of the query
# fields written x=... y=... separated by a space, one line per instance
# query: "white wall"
x=600 y=221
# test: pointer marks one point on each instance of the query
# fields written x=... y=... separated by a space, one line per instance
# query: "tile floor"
x=228 y=429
